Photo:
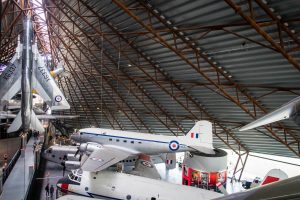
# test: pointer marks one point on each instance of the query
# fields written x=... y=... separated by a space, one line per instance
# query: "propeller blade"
x=76 y=152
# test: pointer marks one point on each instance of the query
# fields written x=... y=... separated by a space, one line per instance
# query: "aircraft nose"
x=75 y=137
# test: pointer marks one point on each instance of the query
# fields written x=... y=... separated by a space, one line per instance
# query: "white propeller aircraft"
x=115 y=185
x=105 y=147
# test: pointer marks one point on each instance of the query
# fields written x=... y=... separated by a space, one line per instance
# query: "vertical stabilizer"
x=200 y=137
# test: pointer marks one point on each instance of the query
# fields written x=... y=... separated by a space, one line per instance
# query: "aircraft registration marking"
x=44 y=73
x=10 y=72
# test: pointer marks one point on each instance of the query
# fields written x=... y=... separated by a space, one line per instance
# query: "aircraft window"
x=75 y=176
x=117 y=140
x=81 y=133
x=53 y=156
x=94 y=177
x=49 y=151
x=132 y=142
x=86 y=188
x=128 y=197
x=126 y=160
x=140 y=142
x=110 y=139
x=134 y=160
x=125 y=141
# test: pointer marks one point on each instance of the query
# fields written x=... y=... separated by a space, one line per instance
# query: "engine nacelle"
x=72 y=165
x=89 y=147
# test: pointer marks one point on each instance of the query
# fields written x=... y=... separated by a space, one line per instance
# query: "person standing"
x=34 y=146
x=47 y=190
x=64 y=167
x=51 y=191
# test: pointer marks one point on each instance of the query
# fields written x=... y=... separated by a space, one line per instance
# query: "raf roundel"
x=146 y=164
x=58 y=98
x=174 y=145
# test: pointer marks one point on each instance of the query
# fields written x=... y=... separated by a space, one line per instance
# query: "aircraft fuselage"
x=137 y=142
x=26 y=86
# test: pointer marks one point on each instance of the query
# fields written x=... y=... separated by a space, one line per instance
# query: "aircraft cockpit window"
x=49 y=150
x=75 y=176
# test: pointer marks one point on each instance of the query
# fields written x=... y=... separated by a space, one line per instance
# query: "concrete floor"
x=17 y=183
x=52 y=173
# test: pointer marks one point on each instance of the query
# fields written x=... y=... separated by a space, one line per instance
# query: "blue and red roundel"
x=174 y=145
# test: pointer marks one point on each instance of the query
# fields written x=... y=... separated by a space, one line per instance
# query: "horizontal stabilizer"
x=6 y=115
x=35 y=123
x=16 y=125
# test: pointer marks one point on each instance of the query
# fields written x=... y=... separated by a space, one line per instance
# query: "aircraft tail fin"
x=16 y=125
x=200 y=137
x=274 y=175
x=169 y=159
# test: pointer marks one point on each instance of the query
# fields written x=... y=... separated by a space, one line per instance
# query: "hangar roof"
x=158 y=66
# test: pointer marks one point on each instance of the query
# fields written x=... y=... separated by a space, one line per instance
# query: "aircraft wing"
x=10 y=79
x=145 y=168
x=5 y=115
x=103 y=158
x=284 y=112
x=57 y=116
x=45 y=85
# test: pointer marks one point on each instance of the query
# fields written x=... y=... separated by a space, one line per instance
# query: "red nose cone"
x=64 y=186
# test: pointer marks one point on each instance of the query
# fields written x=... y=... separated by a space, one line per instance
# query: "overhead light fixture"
x=129 y=65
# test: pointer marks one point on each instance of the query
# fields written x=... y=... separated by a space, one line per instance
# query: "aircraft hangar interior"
x=149 y=99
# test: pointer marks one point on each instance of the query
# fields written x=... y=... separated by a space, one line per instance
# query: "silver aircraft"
x=286 y=111
x=27 y=71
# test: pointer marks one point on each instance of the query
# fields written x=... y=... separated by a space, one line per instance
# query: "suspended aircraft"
x=288 y=110
x=27 y=71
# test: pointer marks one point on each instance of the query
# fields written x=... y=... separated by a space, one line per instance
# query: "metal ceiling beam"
x=104 y=79
x=264 y=34
x=173 y=47
x=138 y=86
x=168 y=78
